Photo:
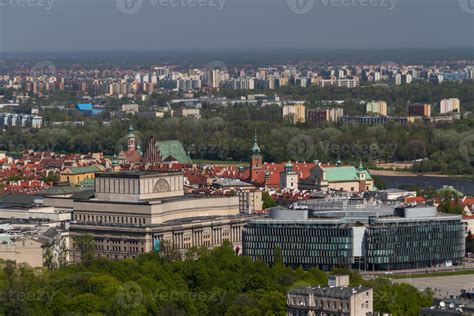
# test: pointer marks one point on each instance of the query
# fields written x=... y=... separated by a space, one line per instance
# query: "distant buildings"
x=419 y=110
x=88 y=109
x=131 y=107
x=398 y=79
x=188 y=112
x=335 y=299
x=346 y=83
x=377 y=107
x=295 y=112
x=449 y=105
x=321 y=115
x=346 y=119
x=20 y=120
x=185 y=84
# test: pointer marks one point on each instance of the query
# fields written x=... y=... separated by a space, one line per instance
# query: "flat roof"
x=185 y=197
x=137 y=174
x=333 y=292
x=198 y=219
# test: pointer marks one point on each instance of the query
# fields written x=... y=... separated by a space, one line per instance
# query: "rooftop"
x=332 y=292
x=137 y=174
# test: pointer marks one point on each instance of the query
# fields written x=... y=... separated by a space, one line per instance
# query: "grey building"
x=140 y=211
x=375 y=238
x=335 y=299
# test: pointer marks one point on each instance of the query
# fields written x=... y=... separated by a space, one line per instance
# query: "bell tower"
x=256 y=163
x=131 y=139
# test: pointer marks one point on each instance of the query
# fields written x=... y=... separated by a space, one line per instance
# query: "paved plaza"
x=443 y=285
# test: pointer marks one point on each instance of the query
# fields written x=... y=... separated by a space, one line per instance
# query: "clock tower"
x=257 y=161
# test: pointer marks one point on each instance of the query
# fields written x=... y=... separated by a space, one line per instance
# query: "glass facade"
x=307 y=245
x=408 y=245
x=386 y=244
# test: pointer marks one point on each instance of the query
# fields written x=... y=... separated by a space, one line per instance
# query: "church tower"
x=256 y=163
x=288 y=178
x=131 y=139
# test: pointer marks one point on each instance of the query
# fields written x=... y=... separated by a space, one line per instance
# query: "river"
x=465 y=186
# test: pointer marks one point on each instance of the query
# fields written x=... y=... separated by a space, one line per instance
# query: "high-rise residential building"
x=341 y=74
x=324 y=115
x=449 y=105
x=348 y=83
x=214 y=78
x=419 y=109
x=398 y=79
x=377 y=76
x=295 y=111
x=377 y=107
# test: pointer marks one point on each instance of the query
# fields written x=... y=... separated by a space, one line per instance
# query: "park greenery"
x=204 y=282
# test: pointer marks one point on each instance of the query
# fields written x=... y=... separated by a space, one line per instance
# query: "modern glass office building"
x=409 y=238
x=409 y=243
x=323 y=244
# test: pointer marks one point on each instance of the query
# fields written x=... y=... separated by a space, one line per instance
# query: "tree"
x=268 y=202
x=86 y=245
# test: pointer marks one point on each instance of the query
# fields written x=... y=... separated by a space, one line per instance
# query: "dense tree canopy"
x=207 y=282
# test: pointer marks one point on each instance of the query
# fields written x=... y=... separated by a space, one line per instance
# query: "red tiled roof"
x=415 y=199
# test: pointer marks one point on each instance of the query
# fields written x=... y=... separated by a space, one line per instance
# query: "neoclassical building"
x=141 y=211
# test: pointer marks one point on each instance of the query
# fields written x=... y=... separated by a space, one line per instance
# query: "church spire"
x=255 y=148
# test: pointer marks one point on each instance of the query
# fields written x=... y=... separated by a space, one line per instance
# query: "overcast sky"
x=98 y=25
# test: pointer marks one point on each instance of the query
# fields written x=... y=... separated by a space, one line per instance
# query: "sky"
x=154 y=25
